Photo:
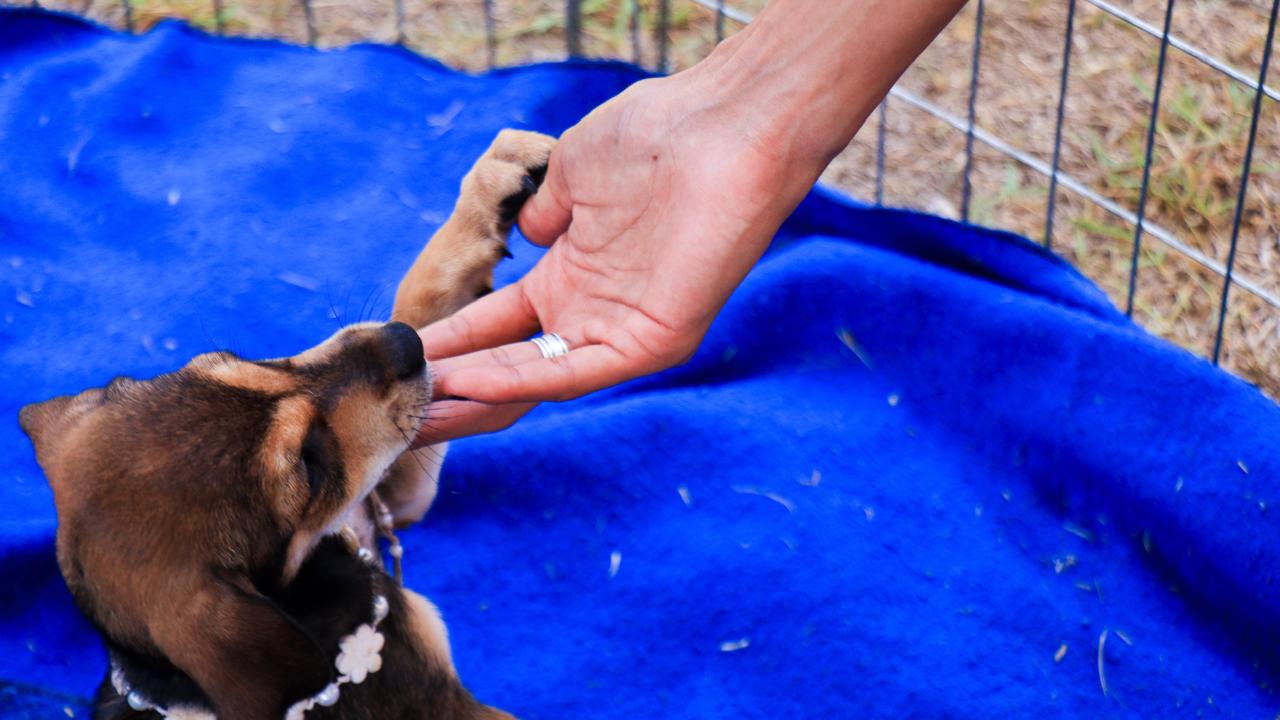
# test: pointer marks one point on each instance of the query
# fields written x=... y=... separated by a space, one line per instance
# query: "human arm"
x=657 y=204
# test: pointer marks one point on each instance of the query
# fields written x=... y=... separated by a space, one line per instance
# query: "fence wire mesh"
x=1138 y=138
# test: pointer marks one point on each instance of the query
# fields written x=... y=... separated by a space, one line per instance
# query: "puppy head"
x=185 y=500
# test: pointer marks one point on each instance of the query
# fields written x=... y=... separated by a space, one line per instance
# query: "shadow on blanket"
x=917 y=469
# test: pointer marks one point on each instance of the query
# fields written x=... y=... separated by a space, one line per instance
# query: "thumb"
x=547 y=214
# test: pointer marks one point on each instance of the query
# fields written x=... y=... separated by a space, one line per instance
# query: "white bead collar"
x=359 y=656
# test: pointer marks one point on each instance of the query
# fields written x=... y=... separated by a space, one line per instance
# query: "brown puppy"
x=215 y=523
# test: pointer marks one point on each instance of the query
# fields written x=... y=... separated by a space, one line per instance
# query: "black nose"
x=403 y=348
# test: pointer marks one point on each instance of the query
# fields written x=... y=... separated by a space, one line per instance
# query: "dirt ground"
x=1200 y=141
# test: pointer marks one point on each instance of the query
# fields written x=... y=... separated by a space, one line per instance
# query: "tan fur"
x=245 y=376
x=369 y=447
x=457 y=264
x=453 y=269
x=279 y=453
x=327 y=349
x=410 y=486
x=429 y=627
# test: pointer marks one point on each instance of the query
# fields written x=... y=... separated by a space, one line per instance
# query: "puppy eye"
x=313 y=457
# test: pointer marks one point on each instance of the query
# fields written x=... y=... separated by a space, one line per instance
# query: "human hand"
x=654 y=214
x=659 y=201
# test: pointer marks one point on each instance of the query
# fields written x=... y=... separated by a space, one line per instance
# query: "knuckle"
x=569 y=379
x=501 y=356
x=461 y=327
x=511 y=380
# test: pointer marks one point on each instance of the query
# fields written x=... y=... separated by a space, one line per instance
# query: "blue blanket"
x=917 y=469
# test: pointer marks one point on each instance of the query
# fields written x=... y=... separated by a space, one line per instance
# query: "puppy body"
x=200 y=512
x=332 y=593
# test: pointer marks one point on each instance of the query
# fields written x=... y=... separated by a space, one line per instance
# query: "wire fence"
x=647 y=28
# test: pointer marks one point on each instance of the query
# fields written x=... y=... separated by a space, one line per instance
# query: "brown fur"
x=192 y=506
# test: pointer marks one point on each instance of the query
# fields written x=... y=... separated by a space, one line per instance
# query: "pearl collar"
x=359 y=656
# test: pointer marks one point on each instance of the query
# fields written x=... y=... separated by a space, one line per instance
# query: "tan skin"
x=657 y=204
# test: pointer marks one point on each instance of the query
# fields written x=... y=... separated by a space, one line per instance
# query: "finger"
x=547 y=214
x=500 y=317
x=452 y=419
x=501 y=356
x=583 y=370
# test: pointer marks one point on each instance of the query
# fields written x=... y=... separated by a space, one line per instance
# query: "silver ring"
x=551 y=345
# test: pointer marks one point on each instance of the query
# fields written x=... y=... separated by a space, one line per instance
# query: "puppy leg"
x=457 y=264
x=455 y=268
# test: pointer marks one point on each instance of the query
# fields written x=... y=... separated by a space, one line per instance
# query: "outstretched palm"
x=653 y=215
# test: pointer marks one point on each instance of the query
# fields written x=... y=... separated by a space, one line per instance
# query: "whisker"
x=435 y=417
x=346 y=304
x=204 y=327
x=378 y=303
x=365 y=307
x=434 y=453
x=424 y=422
x=416 y=459
x=429 y=426
x=435 y=408
x=328 y=296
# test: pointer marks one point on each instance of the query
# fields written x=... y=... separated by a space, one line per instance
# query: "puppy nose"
x=404 y=349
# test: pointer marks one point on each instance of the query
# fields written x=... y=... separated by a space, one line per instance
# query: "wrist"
x=801 y=87
x=782 y=105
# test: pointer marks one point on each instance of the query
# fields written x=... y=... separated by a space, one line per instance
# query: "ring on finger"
x=551 y=345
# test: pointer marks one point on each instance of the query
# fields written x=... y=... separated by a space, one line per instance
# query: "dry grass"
x=1201 y=134
x=1201 y=137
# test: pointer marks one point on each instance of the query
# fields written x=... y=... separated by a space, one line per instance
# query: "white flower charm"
x=359 y=654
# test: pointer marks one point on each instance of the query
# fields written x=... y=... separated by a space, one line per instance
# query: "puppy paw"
x=456 y=267
x=507 y=175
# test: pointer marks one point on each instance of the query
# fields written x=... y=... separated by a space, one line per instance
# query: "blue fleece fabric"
x=917 y=469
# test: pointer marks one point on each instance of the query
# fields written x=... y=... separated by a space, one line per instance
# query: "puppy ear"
x=49 y=421
x=251 y=659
